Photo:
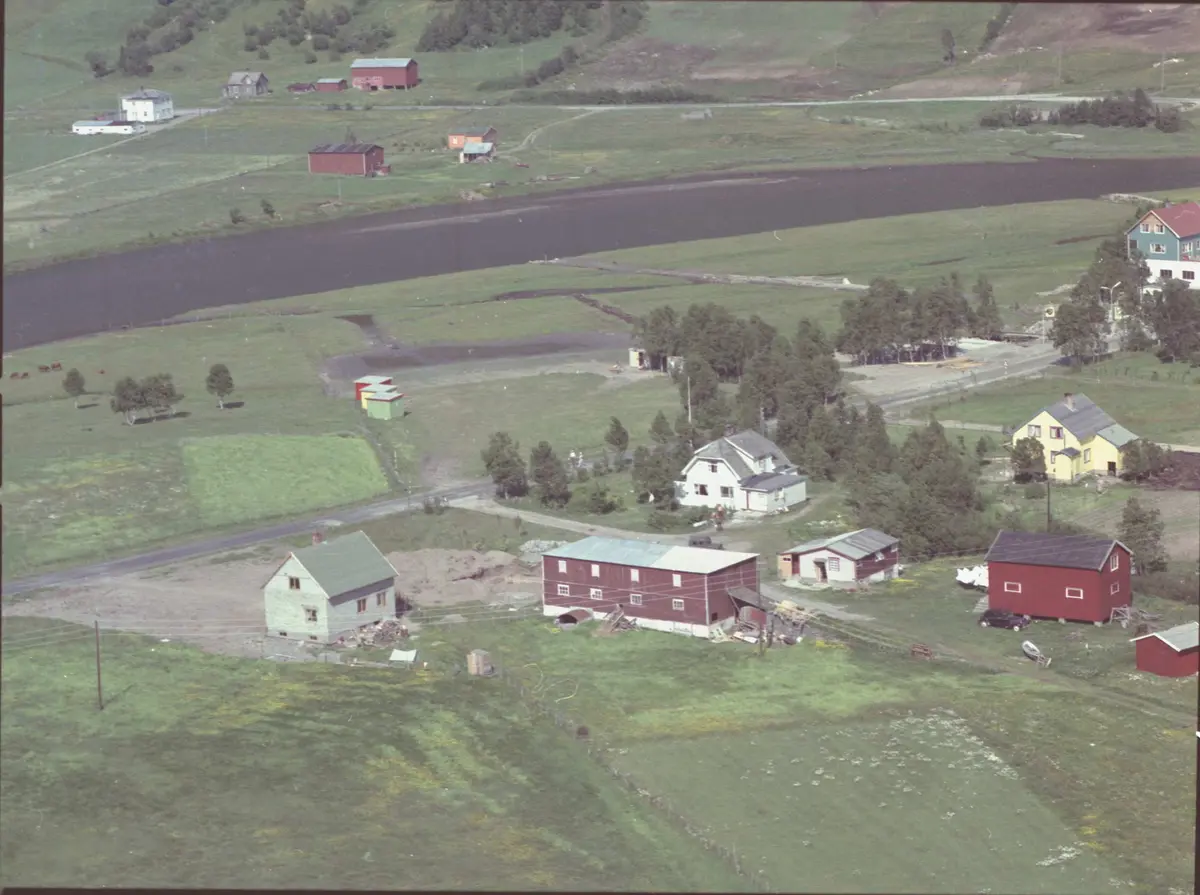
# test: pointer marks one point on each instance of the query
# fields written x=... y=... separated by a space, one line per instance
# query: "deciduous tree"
x=1142 y=532
x=74 y=385
x=219 y=383
x=1028 y=461
x=503 y=461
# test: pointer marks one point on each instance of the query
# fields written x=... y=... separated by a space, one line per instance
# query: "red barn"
x=345 y=158
x=384 y=74
x=1174 y=652
x=684 y=590
x=1067 y=577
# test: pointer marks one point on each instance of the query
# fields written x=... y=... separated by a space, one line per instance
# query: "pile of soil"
x=436 y=577
x=1182 y=475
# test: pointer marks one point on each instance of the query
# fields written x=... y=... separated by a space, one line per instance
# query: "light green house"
x=331 y=589
x=385 y=405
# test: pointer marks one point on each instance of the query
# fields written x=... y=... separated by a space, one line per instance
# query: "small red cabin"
x=384 y=74
x=1174 y=652
x=1067 y=577
x=369 y=382
x=330 y=85
x=345 y=158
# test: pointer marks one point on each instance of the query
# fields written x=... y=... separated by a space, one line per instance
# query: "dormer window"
x=1159 y=228
x=712 y=467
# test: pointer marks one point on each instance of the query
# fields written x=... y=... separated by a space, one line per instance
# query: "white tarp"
x=400 y=655
x=973 y=577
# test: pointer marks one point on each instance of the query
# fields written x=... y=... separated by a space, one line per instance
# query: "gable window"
x=1034 y=431
x=595 y=593
x=1056 y=432
x=726 y=491
x=293 y=583
x=564 y=590
x=1159 y=228
x=635 y=575
x=1115 y=562
x=1012 y=587
x=1074 y=593
x=1115 y=588
x=635 y=599
x=595 y=571
x=362 y=604
x=562 y=566
x=381 y=599
x=833 y=564
x=677 y=580
x=1157 y=248
x=1145 y=228
x=677 y=605
x=702 y=490
x=712 y=467
x=1188 y=274
x=1087 y=455
x=310 y=615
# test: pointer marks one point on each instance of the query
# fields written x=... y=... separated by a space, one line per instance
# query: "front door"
x=1112 y=468
x=795 y=564
x=822 y=575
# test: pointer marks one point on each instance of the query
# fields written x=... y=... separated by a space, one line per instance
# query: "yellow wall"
x=1094 y=454
x=1104 y=453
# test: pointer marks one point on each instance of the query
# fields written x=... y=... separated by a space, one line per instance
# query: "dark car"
x=1002 y=618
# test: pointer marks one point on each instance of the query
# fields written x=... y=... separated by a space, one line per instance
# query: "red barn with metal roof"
x=1067 y=577
x=345 y=158
x=384 y=74
x=1174 y=652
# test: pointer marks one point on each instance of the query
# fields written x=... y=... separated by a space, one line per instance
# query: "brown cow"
x=14 y=375
x=24 y=375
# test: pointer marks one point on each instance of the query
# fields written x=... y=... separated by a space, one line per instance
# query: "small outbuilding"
x=331 y=85
x=851 y=558
x=368 y=381
x=331 y=589
x=374 y=391
x=457 y=139
x=245 y=85
x=301 y=88
x=1067 y=577
x=385 y=405
x=354 y=159
x=1174 y=652
x=476 y=152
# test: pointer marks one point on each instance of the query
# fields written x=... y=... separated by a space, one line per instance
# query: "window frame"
x=1077 y=595
x=293 y=582
x=1056 y=432
x=1012 y=587
x=564 y=590
x=562 y=566
x=1114 y=561
x=595 y=593
x=833 y=564
x=1114 y=588
x=1158 y=248
x=635 y=576
x=677 y=605
x=1032 y=431
x=635 y=600
x=727 y=492
x=595 y=570
x=676 y=580
x=361 y=605
x=311 y=615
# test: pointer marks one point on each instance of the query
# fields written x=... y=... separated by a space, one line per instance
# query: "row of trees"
x=169 y=26
x=887 y=323
x=152 y=395
x=1118 y=109
x=546 y=475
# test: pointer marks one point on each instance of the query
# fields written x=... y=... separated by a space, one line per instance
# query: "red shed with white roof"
x=1174 y=652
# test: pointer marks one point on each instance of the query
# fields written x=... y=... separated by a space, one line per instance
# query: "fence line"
x=596 y=748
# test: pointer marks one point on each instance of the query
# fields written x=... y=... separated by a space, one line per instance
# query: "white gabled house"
x=745 y=472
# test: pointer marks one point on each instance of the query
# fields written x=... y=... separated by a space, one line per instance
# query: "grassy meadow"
x=238 y=774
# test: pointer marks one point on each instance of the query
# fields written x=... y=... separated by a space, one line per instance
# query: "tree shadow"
x=88 y=406
x=162 y=417
x=113 y=699
x=234 y=405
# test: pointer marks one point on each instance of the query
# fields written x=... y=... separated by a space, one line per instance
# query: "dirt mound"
x=645 y=62
x=438 y=577
x=1183 y=474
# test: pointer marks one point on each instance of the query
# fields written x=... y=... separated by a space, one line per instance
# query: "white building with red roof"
x=1169 y=239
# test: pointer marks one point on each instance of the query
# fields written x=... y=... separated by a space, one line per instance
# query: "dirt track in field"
x=137 y=288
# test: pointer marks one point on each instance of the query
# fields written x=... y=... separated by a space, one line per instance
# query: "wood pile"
x=479 y=663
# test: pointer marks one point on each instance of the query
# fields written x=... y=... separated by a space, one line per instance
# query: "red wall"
x=869 y=565
x=1156 y=657
x=655 y=586
x=365 y=78
x=345 y=162
x=1043 y=590
x=331 y=88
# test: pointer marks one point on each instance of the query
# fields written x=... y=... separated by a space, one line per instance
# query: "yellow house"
x=1077 y=438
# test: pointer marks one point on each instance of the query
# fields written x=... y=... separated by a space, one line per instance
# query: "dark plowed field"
x=81 y=297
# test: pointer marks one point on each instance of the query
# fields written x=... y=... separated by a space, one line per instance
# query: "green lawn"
x=203 y=772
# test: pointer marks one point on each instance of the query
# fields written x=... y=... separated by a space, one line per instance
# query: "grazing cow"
x=43 y=369
x=101 y=372
x=56 y=366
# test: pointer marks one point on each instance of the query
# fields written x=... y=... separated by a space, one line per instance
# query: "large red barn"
x=384 y=74
x=1174 y=652
x=345 y=158
x=685 y=590
x=1067 y=577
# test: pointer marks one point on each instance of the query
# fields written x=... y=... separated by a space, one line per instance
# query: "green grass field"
x=210 y=772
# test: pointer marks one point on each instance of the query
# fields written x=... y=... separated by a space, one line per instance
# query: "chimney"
x=1069 y=400
x=318 y=538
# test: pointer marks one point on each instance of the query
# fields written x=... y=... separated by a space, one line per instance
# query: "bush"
x=1181 y=587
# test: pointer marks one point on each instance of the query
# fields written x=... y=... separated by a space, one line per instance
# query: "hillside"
x=475 y=50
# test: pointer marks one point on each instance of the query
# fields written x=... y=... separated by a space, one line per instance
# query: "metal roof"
x=384 y=395
x=397 y=62
x=1069 y=452
x=649 y=555
x=771 y=481
x=474 y=131
x=345 y=564
x=758 y=446
x=1056 y=551
x=1117 y=435
x=853 y=545
x=244 y=77
x=1182 y=219
x=342 y=149
x=477 y=148
x=1179 y=638
x=91 y=124
x=331 y=80
x=371 y=380
x=147 y=93
x=1084 y=421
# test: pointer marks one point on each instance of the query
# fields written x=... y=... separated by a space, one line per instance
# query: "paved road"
x=86 y=296
x=210 y=546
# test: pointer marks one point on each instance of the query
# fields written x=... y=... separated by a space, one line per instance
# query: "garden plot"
x=934 y=808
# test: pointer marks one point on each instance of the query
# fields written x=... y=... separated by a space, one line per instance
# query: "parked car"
x=1002 y=618
x=704 y=541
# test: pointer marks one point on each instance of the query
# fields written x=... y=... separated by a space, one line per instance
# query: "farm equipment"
x=1127 y=615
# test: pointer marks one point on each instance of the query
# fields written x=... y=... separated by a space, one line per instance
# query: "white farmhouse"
x=746 y=472
x=147 y=106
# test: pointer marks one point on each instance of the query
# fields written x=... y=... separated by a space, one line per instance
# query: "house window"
x=677 y=605
x=677 y=581
x=362 y=605
x=1056 y=432
x=712 y=467
x=635 y=575
x=1145 y=228
x=1159 y=228
x=595 y=571
x=1115 y=562
x=1074 y=593
x=1188 y=274
x=1166 y=274
x=635 y=599
x=702 y=490
x=293 y=583
x=595 y=593
x=1034 y=431
x=1087 y=455
x=1132 y=246
x=564 y=590
x=833 y=564
x=1115 y=588
x=562 y=565
x=726 y=491
x=310 y=615
x=1157 y=248
x=1012 y=587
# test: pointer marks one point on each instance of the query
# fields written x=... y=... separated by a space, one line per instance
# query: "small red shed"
x=330 y=85
x=1174 y=652
x=345 y=158
x=368 y=382
x=384 y=74
x=1067 y=577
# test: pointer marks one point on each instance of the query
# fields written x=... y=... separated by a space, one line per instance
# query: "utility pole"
x=1060 y=65
x=99 y=688
x=1049 y=516
x=689 y=399
x=1162 y=74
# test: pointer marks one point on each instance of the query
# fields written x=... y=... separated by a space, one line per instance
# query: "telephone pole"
x=689 y=399
x=99 y=688
x=1162 y=74
x=1049 y=516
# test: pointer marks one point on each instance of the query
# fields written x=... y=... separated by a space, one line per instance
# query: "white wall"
x=649 y=624
x=148 y=110
x=1176 y=268
x=773 y=501
x=699 y=474
x=808 y=567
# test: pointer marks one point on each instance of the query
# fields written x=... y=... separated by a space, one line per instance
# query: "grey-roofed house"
x=245 y=85
x=331 y=589
x=851 y=558
x=1078 y=438
x=745 y=472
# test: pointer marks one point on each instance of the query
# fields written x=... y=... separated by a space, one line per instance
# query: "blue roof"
x=398 y=62
x=621 y=551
